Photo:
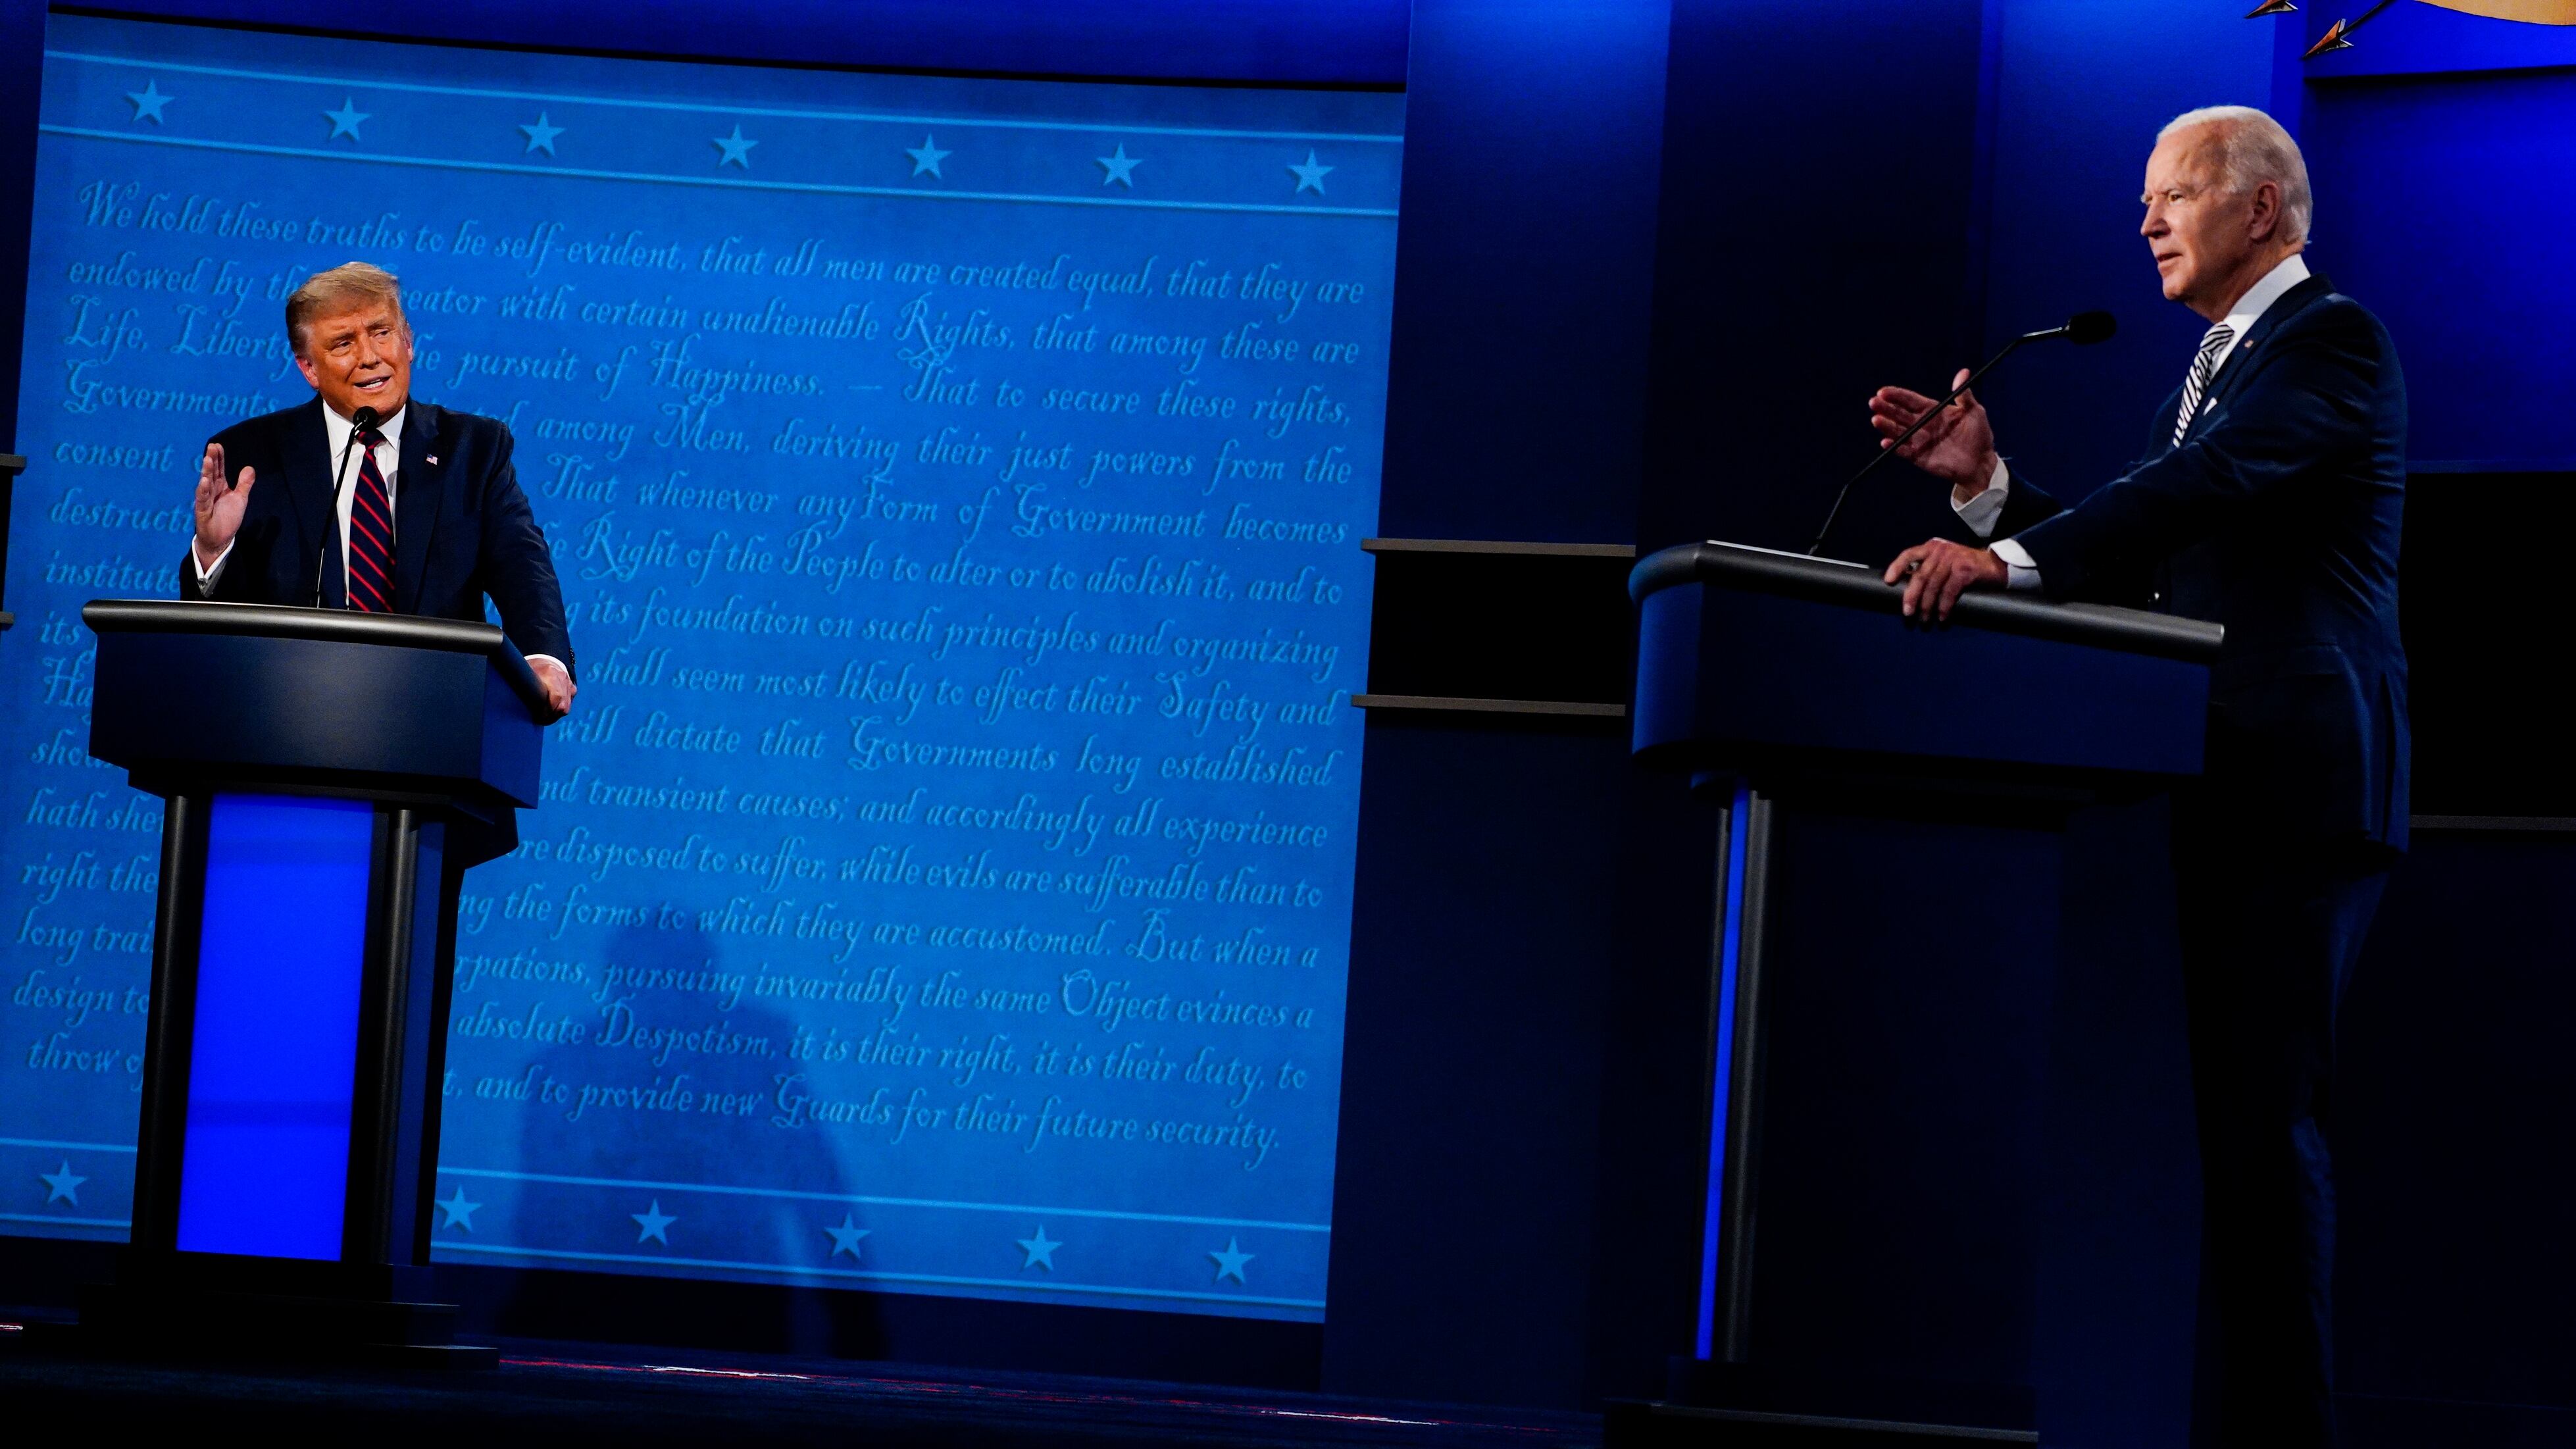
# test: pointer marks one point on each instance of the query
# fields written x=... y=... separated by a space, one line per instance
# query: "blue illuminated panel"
x=276 y=1042
x=956 y=485
x=1722 y=1070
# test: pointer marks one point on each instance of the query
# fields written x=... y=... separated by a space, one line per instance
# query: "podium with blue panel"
x=1951 y=1190
x=329 y=777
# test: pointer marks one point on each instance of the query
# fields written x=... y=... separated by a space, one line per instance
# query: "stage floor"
x=562 y=1393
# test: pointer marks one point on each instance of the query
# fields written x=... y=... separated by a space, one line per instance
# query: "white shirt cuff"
x=2022 y=569
x=550 y=659
x=208 y=573
x=1984 y=511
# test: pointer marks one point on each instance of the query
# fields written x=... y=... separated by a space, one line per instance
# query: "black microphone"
x=359 y=422
x=2083 y=329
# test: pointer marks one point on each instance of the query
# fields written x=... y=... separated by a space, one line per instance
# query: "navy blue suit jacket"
x=2277 y=516
x=462 y=526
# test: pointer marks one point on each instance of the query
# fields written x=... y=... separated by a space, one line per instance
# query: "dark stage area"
x=551 y=1393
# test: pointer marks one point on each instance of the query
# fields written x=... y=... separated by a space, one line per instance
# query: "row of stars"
x=654 y=1226
x=735 y=149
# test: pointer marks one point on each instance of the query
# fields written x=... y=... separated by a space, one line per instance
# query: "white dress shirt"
x=388 y=454
x=336 y=429
x=1981 y=512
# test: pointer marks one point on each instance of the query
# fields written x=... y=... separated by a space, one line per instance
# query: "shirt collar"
x=338 y=428
x=2258 y=299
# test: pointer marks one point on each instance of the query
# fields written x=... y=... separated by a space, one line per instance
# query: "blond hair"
x=342 y=288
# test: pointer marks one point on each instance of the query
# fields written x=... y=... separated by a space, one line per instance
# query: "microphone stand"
x=1897 y=444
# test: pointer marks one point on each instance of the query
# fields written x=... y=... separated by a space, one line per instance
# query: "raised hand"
x=219 y=509
x=1957 y=447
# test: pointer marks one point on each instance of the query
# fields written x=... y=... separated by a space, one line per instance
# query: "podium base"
x=195 y=1323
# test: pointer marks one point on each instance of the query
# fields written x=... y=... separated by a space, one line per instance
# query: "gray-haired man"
x=2269 y=499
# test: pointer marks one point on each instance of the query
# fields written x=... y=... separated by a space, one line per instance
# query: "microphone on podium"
x=359 y=422
x=2083 y=329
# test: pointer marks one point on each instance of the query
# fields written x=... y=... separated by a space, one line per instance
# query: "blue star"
x=148 y=102
x=65 y=1184
x=845 y=1238
x=460 y=1213
x=737 y=151
x=654 y=1224
x=1041 y=1252
x=927 y=156
x=541 y=137
x=1310 y=177
x=1229 y=1264
x=1121 y=167
x=345 y=121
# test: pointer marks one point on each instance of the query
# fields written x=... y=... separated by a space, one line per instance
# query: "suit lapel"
x=2240 y=361
x=307 y=458
x=417 y=491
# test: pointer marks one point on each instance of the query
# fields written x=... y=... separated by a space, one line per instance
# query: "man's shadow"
x=717 y=1168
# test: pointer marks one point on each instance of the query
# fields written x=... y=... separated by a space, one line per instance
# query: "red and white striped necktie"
x=371 y=533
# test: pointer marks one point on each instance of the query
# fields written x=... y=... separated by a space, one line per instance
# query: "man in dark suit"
x=2268 y=500
x=421 y=513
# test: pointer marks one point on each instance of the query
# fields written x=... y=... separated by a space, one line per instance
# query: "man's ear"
x=304 y=365
x=2264 y=220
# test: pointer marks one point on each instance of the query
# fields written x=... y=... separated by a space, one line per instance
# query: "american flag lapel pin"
x=433 y=460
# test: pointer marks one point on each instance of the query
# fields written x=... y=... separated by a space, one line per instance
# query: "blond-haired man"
x=417 y=512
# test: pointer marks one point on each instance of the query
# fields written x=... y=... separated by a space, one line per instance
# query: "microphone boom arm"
x=1897 y=444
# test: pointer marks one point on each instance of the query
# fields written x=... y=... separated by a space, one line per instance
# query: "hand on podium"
x=1957 y=447
x=558 y=682
x=1935 y=574
x=219 y=508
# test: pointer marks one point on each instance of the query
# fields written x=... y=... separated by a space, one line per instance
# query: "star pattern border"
x=929 y=160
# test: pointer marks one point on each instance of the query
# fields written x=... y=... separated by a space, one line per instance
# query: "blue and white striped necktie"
x=2213 y=346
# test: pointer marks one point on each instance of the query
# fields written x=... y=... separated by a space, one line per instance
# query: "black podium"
x=1791 y=689
x=329 y=778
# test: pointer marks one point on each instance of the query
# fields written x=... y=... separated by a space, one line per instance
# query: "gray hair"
x=2249 y=148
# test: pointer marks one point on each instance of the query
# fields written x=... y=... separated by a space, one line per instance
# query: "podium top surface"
x=1857 y=586
x=278 y=621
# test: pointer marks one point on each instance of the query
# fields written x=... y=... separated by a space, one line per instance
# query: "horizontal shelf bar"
x=1440 y=703
x=12 y=463
x=2532 y=824
x=2491 y=465
x=1490 y=546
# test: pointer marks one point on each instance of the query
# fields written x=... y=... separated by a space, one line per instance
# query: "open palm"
x=219 y=508
x=1957 y=447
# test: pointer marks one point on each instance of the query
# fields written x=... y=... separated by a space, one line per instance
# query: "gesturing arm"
x=2313 y=399
x=1958 y=447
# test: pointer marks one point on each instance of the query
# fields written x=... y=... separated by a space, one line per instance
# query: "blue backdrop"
x=944 y=884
